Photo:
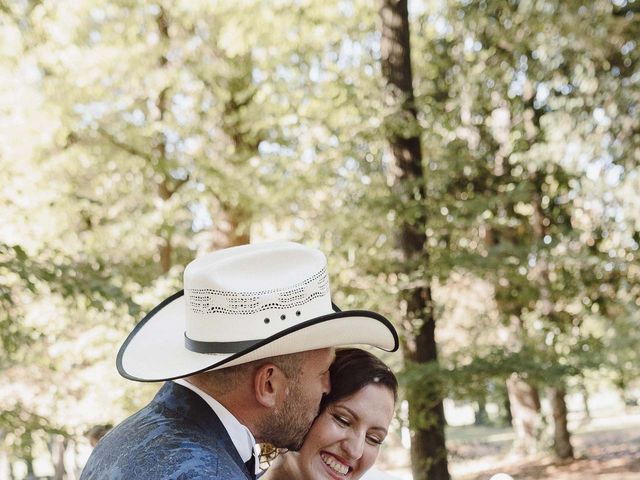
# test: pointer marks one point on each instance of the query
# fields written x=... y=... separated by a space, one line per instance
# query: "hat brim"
x=155 y=350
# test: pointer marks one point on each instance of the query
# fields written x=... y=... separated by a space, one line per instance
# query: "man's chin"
x=282 y=424
x=296 y=445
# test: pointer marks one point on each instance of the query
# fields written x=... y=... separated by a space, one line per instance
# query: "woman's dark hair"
x=354 y=369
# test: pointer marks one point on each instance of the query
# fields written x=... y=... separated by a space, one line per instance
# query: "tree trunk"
x=159 y=151
x=426 y=416
x=28 y=454
x=30 y=472
x=5 y=464
x=507 y=418
x=232 y=221
x=561 y=438
x=525 y=411
x=585 y=401
x=59 y=445
x=481 y=415
x=562 y=443
x=228 y=231
x=165 y=255
x=71 y=461
x=620 y=381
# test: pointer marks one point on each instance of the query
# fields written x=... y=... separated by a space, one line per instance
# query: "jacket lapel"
x=190 y=406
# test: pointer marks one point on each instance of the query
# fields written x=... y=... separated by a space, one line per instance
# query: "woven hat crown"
x=244 y=293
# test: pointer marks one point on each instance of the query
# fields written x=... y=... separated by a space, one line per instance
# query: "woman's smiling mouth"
x=334 y=464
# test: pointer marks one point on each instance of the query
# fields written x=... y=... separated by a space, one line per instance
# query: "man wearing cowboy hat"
x=244 y=350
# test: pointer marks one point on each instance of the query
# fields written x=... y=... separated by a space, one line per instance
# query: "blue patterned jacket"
x=177 y=436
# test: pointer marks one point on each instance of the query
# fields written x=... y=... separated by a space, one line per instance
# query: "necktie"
x=251 y=466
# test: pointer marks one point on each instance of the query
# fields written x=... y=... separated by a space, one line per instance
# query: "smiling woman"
x=344 y=441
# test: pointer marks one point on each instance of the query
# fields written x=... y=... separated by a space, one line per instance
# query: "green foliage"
x=136 y=135
x=512 y=102
x=86 y=284
x=470 y=380
x=19 y=426
x=13 y=335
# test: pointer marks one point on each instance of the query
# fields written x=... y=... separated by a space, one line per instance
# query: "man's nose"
x=353 y=445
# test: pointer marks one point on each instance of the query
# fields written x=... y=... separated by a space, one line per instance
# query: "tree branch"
x=624 y=11
x=123 y=146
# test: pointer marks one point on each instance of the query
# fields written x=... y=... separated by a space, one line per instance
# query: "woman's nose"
x=353 y=446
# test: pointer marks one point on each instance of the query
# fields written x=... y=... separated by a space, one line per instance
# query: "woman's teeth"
x=334 y=464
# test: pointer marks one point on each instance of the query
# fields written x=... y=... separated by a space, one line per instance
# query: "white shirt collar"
x=241 y=436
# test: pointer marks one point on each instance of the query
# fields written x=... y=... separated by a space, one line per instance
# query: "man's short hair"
x=225 y=380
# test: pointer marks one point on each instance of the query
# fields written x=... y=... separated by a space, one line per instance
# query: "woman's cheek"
x=370 y=455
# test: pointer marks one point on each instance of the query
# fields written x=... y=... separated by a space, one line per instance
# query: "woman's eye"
x=341 y=420
x=374 y=440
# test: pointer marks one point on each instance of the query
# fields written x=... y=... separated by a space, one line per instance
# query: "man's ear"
x=270 y=385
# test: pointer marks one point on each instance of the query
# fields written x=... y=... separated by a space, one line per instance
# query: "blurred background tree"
x=136 y=135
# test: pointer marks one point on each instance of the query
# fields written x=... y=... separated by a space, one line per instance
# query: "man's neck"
x=235 y=402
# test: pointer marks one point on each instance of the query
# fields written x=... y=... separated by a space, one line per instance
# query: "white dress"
x=374 y=474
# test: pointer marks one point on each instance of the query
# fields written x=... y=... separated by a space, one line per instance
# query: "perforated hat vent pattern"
x=207 y=300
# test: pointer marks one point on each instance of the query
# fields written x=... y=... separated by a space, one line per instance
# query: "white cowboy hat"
x=243 y=304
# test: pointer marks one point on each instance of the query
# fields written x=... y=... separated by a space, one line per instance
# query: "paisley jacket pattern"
x=177 y=436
